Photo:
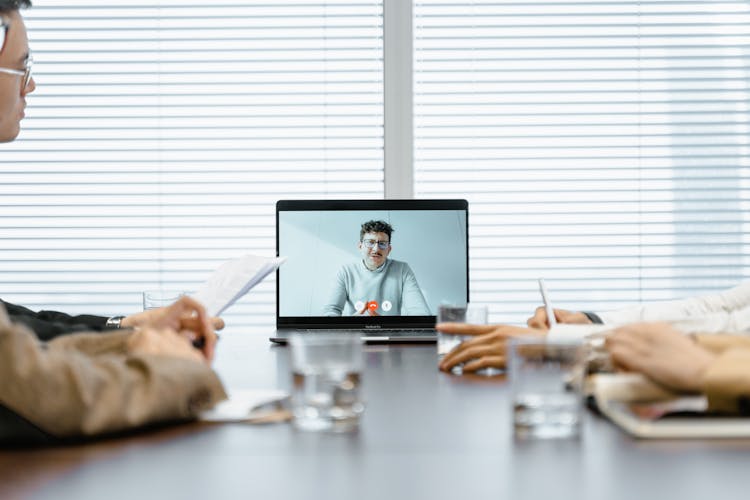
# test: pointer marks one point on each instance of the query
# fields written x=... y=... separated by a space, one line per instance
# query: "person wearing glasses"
x=15 y=73
x=376 y=285
x=85 y=384
x=16 y=83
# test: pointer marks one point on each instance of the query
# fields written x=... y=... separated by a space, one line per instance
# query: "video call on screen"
x=318 y=244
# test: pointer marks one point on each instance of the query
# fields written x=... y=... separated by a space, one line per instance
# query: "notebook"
x=648 y=411
x=342 y=276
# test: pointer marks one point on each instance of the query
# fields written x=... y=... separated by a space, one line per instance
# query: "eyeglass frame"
x=4 y=24
x=25 y=73
x=382 y=245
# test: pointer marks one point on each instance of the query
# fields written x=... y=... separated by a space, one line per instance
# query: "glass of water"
x=154 y=299
x=326 y=377
x=473 y=314
x=546 y=381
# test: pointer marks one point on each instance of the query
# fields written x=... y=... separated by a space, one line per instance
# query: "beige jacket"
x=727 y=381
x=87 y=384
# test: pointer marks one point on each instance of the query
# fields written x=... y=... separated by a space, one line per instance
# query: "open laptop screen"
x=343 y=269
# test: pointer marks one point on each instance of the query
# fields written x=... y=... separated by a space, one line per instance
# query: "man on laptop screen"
x=373 y=284
x=409 y=257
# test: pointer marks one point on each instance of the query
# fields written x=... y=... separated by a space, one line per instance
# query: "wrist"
x=127 y=322
x=115 y=323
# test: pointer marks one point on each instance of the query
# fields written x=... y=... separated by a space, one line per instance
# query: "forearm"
x=722 y=310
x=67 y=391
x=414 y=303
x=726 y=382
x=336 y=298
x=334 y=307
x=93 y=344
x=720 y=342
x=50 y=324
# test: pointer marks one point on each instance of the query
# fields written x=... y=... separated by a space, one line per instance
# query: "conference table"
x=424 y=434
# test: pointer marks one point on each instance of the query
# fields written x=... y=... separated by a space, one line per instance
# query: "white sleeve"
x=727 y=311
x=719 y=322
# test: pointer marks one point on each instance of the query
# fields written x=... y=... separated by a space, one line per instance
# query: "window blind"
x=603 y=145
x=162 y=133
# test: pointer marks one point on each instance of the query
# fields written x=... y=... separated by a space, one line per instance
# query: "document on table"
x=233 y=279
x=259 y=406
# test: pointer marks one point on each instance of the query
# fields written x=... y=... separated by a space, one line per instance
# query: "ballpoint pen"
x=547 y=304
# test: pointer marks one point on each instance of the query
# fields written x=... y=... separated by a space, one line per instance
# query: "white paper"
x=241 y=405
x=233 y=279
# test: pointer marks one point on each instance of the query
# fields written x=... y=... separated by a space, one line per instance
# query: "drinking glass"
x=326 y=377
x=473 y=314
x=154 y=299
x=546 y=382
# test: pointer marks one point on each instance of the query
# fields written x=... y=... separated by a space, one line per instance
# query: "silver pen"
x=547 y=304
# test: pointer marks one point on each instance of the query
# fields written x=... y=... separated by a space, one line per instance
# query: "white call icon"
x=387 y=305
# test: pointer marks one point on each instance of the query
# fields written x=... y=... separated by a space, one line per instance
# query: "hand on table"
x=487 y=349
x=661 y=353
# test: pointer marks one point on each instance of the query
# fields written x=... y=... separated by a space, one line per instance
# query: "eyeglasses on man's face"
x=24 y=73
x=371 y=244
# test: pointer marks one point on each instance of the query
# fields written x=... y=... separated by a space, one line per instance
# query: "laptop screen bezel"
x=367 y=322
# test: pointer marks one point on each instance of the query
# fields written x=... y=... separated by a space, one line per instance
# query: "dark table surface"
x=424 y=434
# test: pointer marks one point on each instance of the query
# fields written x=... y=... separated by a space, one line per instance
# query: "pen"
x=547 y=304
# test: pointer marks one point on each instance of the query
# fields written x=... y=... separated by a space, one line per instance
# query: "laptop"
x=345 y=273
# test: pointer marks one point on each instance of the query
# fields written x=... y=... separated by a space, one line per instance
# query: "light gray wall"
x=318 y=243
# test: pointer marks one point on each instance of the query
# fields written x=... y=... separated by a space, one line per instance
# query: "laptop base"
x=427 y=336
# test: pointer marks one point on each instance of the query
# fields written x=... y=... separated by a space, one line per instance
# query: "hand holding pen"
x=542 y=313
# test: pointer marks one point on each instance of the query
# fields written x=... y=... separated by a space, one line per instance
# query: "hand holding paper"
x=233 y=279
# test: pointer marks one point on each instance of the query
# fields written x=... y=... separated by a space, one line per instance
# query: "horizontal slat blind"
x=162 y=133
x=603 y=145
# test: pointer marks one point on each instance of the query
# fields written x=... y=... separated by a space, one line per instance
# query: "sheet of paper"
x=233 y=279
x=244 y=405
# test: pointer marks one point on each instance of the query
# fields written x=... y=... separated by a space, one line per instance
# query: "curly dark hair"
x=375 y=226
x=11 y=5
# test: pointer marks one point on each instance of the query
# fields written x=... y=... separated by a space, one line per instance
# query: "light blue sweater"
x=394 y=282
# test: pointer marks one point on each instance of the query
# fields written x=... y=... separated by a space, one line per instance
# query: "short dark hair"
x=375 y=226
x=11 y=5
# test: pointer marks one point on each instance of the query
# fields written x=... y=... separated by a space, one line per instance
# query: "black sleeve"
x=593 y=317
x=16 y=431
x=49 y=324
